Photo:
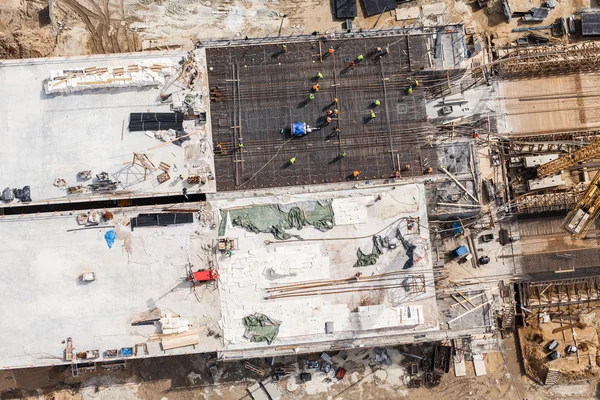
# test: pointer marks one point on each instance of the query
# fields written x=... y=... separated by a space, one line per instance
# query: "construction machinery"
x=301 y=129
x=585 y=153
x=203 y=275
x=586 y=211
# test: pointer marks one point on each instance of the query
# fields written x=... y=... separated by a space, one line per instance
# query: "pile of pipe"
x=155 y=121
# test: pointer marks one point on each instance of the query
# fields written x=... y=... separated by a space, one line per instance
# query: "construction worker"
x=352 y=64
x=284 y=48
x=429 y=170
x=328 y=120
x=319 y=75
x=240 y=144
x=407 y=167
x=397 y=174
x=372 y=114
x=343 y=154
x=358 y=275
x=360 y=57
x=316 y=87
x=416 y=83
x=386 y=50
x=219 y=147
x=311 y=96
x=292 y=160
x=331 y=51
x=335 y=100
x=335 y=111
x=355 y=174
x=336 y=130
x=229 y=253
x=409 y=90
x=378 y=49
x=329 y=112
x=376 y=102
x=378 y=198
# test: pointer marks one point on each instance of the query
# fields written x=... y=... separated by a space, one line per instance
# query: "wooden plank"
x=459 y=302
x=466 y=298
x=189 y=338
x=470 y=311
x=460 y=185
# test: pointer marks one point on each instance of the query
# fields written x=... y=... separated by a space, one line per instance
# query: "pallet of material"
x=188 y=338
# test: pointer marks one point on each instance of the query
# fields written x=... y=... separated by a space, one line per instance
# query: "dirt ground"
x=573 y=367
x=82 y=27
x=183 y=378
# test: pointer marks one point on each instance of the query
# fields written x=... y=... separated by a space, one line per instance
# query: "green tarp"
x=277 y=218
x=260 y=328
x=370 y=259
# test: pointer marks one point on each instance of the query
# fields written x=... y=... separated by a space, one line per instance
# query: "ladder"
x=74 y=370
x=552 y=377
x=585 y=153
x=508 y=317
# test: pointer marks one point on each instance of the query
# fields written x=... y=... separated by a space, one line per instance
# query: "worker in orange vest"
x=355 y=174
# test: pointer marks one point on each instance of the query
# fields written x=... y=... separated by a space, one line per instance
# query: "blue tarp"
x=298 y=129
x=110 y=237
x=461 y=251
x=456 y=228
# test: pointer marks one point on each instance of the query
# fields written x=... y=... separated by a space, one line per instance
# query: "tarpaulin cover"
x=370 y=259
x=379 y=243
x=298 y=129
x=260 y=328
x=277 y=218
x=110 y=237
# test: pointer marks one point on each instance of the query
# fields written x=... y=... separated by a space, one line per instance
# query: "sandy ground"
x=179 y=378
x=186 y=378
x=110 y=26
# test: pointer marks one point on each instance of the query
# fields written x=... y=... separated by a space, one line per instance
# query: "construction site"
x=378 y=202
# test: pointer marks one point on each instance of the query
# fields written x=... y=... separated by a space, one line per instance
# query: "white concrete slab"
x=479 y=365
x=44 y=303
x=264 y=263
x=55 y=136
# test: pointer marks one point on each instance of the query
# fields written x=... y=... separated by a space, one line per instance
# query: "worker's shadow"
x=277 y=54
x=330 y=136
x=336 y=160
x=303 y=103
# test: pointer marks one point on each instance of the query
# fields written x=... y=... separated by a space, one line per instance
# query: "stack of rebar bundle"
x=155 y=121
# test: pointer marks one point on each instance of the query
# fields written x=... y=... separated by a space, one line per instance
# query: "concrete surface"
x=319 y=257
x=55 y=136
x=45 y=303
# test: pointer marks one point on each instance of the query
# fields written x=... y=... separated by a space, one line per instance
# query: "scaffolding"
x=546 y=60
x=552 y=142
x=587 y=210
x=581 y=293
x=553 y=167
x=557 y=201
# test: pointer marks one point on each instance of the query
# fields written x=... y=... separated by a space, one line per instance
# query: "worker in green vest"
x=319 y=75
x=292 y=160
x=360 y=57
x=376 y=102
x=372 y=114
